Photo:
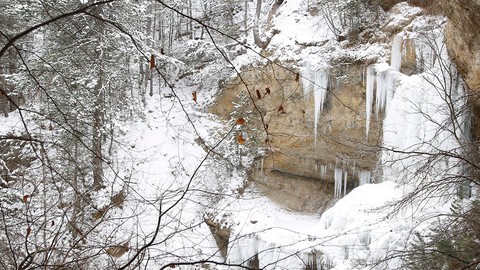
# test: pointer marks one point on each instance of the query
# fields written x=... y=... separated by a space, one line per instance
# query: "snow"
x=161 y=162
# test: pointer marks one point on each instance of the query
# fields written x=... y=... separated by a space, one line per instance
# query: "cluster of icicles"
x=384 y=77
x=341 y=177
x=379 y=78
x=380 y=83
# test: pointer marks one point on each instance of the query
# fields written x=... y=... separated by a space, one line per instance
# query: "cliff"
x=463 y=43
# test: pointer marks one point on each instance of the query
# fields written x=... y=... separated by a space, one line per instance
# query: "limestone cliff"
x=293 y=151
x=463 y=43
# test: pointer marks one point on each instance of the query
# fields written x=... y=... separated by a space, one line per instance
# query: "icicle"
x=369 y=96
x=262 y=171
x=345 y=177
x=363 y=178
x=323 y=172
x=338 y=183
x=390 y=84
x=353 y=169
x=307 y=81
x=320 y=92
x=396 y=54
x=339 y=177
x=380 y=93
x=466 y=122
x=386 y=79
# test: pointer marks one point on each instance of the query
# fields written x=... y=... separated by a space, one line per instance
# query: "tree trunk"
x=98 y=114
x=245 y=19
x=256 y=28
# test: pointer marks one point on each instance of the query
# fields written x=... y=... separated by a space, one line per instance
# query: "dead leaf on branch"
x=117 y=251
x=240 y=121
x=240 y=139
x=194 y=96
x=259 y=96
x=152 y=61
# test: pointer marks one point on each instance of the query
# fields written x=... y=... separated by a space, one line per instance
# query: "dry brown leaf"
x=259 y=96
x=240 y=121
x=152 y=61
x=240 y=139
x=117 y=251
x=194 y=96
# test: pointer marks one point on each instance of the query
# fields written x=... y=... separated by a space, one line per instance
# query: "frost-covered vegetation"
x=110 y=158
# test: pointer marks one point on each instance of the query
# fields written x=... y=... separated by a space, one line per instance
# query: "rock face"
x=316 y=146
x=463 y=43
x=295 y=159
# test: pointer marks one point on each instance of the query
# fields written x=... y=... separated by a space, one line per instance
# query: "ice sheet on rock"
x=364 y=178
x=396 y=52
x=369 y=85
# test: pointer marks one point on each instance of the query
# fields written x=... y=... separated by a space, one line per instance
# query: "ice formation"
x=307 y=81
x=396 y=53
x=370 y=83
x=315 y=81
x=428 y=51
x=338 y=183
x=381 y=81
x=323 y=171
x=260 y=168
x=386 y=80
x=340 y=178
x=418 y=106
x=320 y=93
x=363 y=178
